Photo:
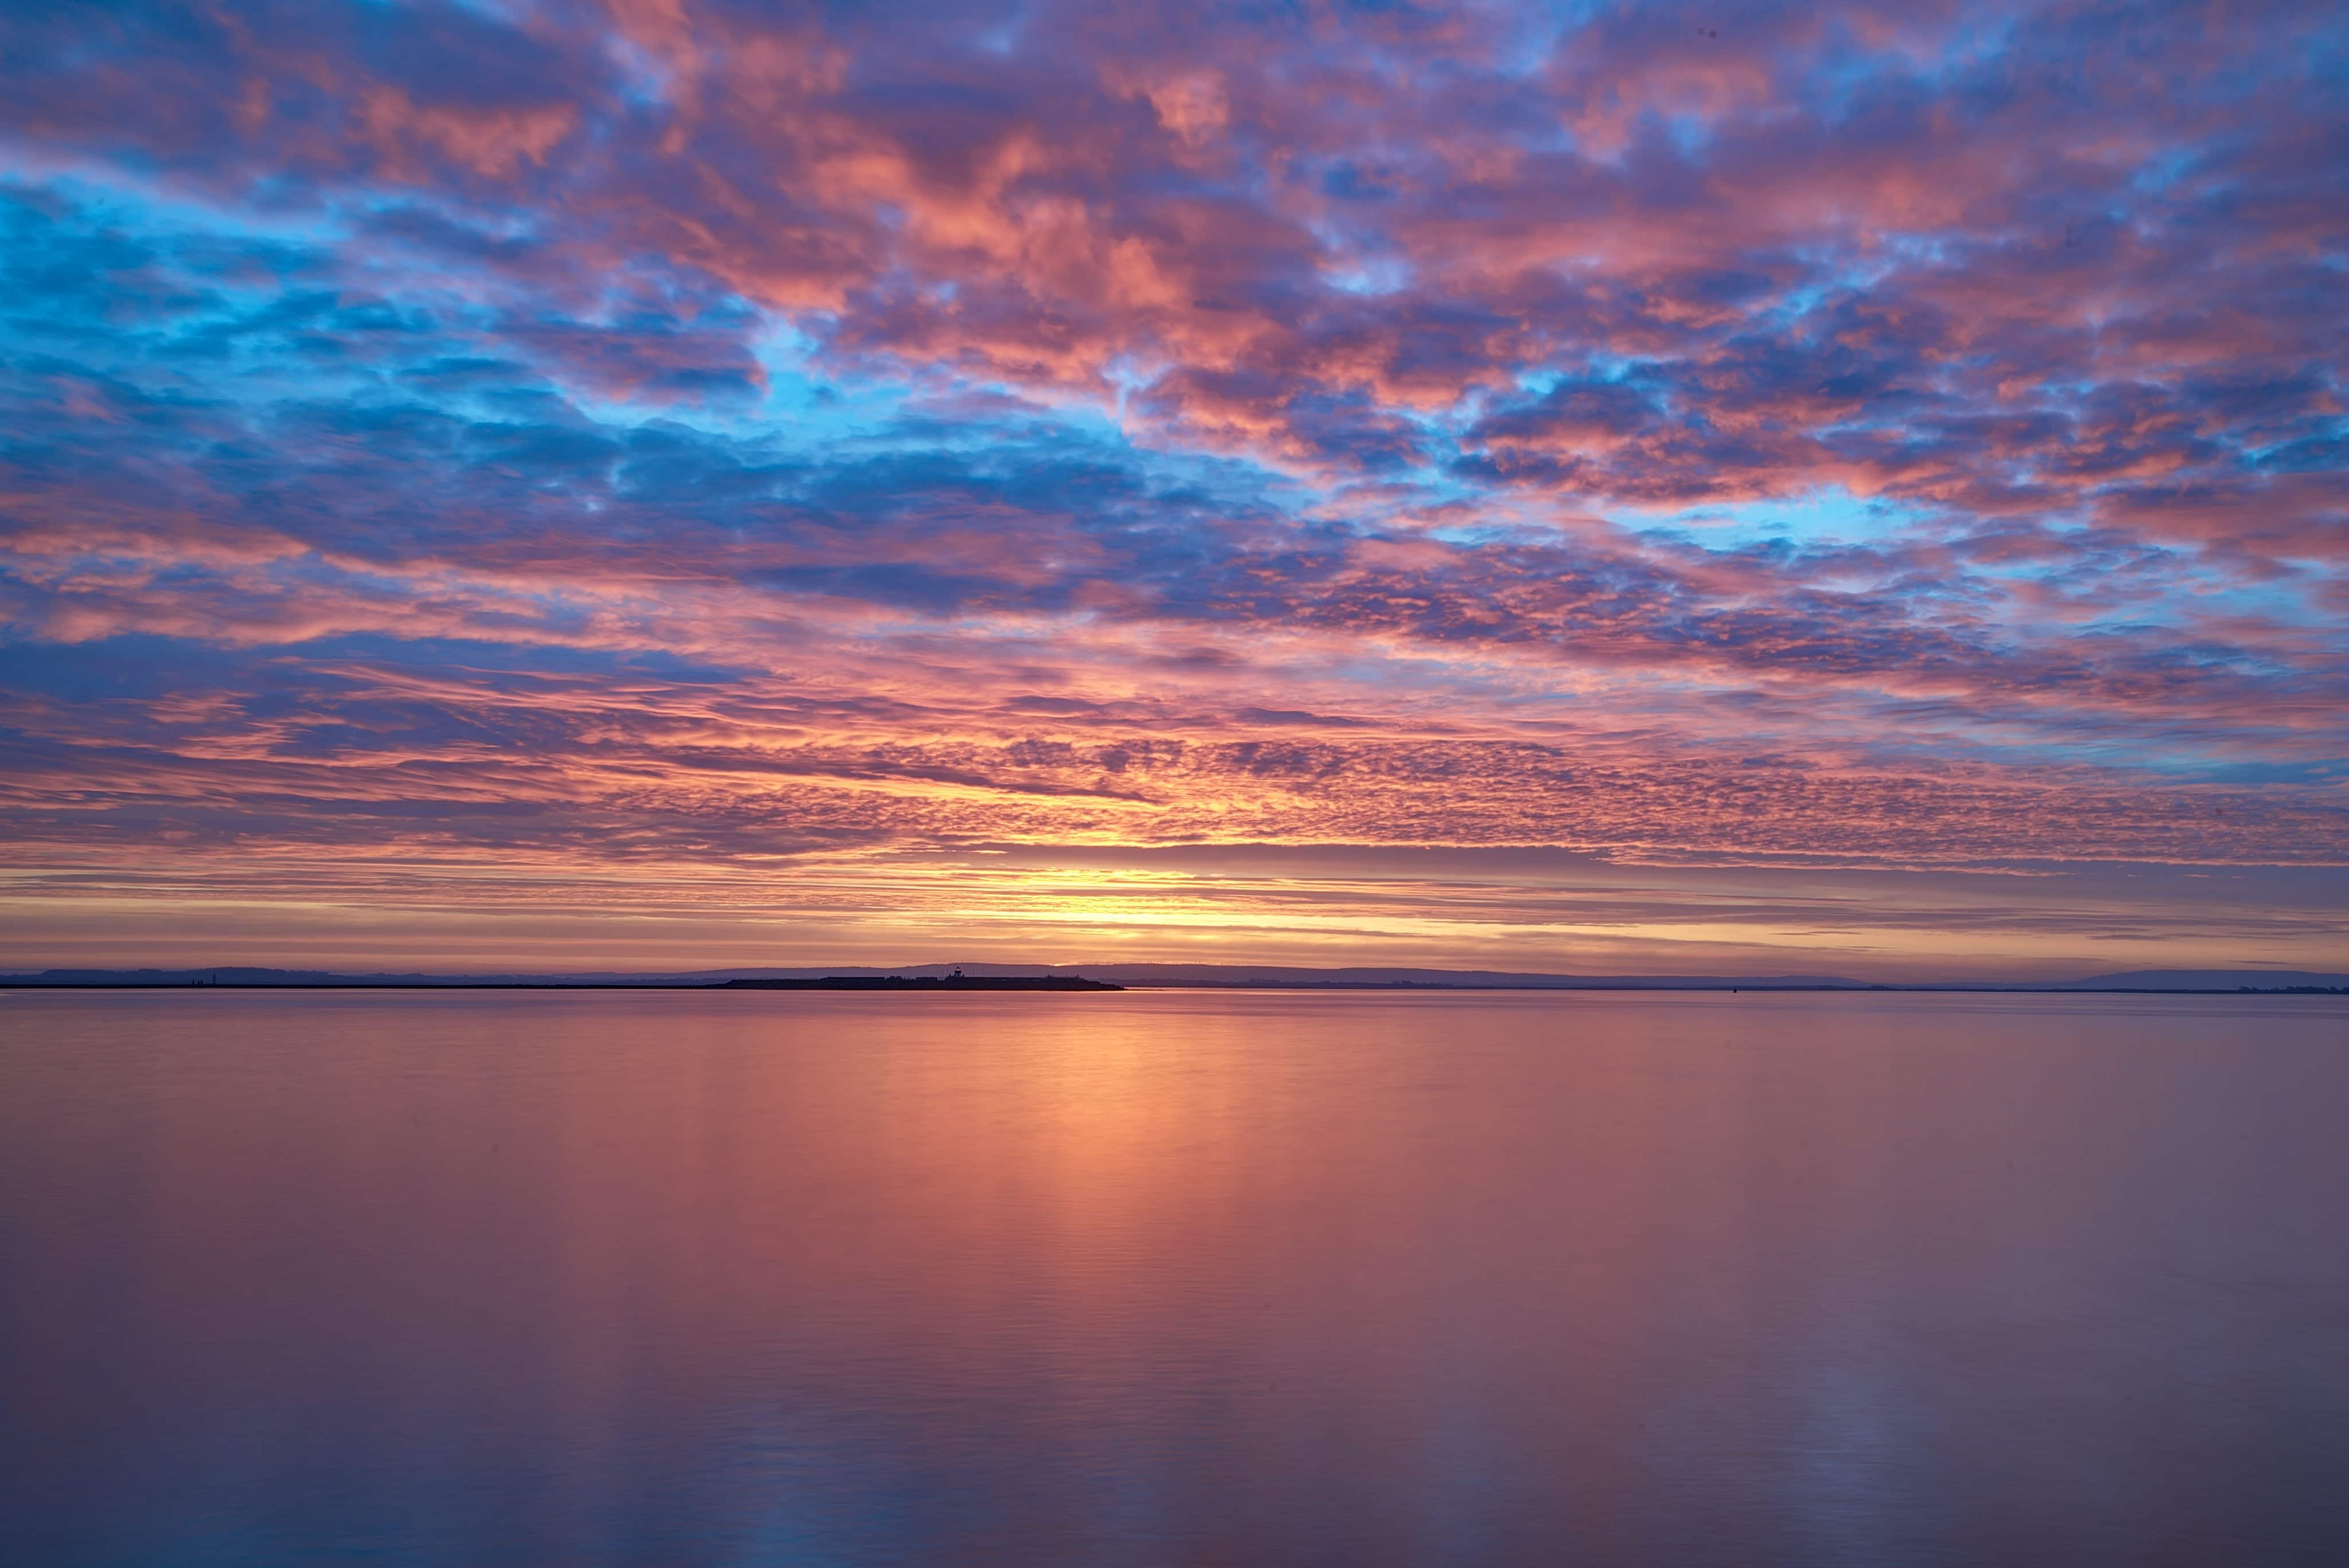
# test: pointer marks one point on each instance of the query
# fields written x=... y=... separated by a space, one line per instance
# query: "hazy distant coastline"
x=919 y=978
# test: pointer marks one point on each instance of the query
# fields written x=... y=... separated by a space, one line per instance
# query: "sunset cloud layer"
x=821 y=483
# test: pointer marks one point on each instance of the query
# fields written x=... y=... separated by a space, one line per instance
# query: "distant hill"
x=247 y=975
x=2205 y=980
x=1196 y=976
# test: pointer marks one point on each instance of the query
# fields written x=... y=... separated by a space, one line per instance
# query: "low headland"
x=957 y=981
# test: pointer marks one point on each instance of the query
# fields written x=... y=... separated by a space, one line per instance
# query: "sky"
x=1737 y=489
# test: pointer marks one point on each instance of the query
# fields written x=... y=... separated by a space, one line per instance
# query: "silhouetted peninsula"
x=957 y=981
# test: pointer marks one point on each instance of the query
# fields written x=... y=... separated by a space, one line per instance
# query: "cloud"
x=1862 y=432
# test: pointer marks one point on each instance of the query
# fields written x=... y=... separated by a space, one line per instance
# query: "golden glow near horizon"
x=1198 y=904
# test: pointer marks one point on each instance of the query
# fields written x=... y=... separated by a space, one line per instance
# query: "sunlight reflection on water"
x=1172 y=1278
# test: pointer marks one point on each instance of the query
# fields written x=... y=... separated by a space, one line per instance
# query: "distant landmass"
x=957 y=981
x=1126 y=977
x=2205 y=980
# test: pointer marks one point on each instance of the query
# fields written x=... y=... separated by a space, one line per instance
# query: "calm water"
x=1171 y=1279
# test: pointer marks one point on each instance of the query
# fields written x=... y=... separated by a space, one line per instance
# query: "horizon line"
x=1158 y=975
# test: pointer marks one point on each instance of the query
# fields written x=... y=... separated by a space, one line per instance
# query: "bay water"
x=1160 y=1278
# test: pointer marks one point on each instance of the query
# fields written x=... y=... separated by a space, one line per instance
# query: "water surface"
x=1172 y=1278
